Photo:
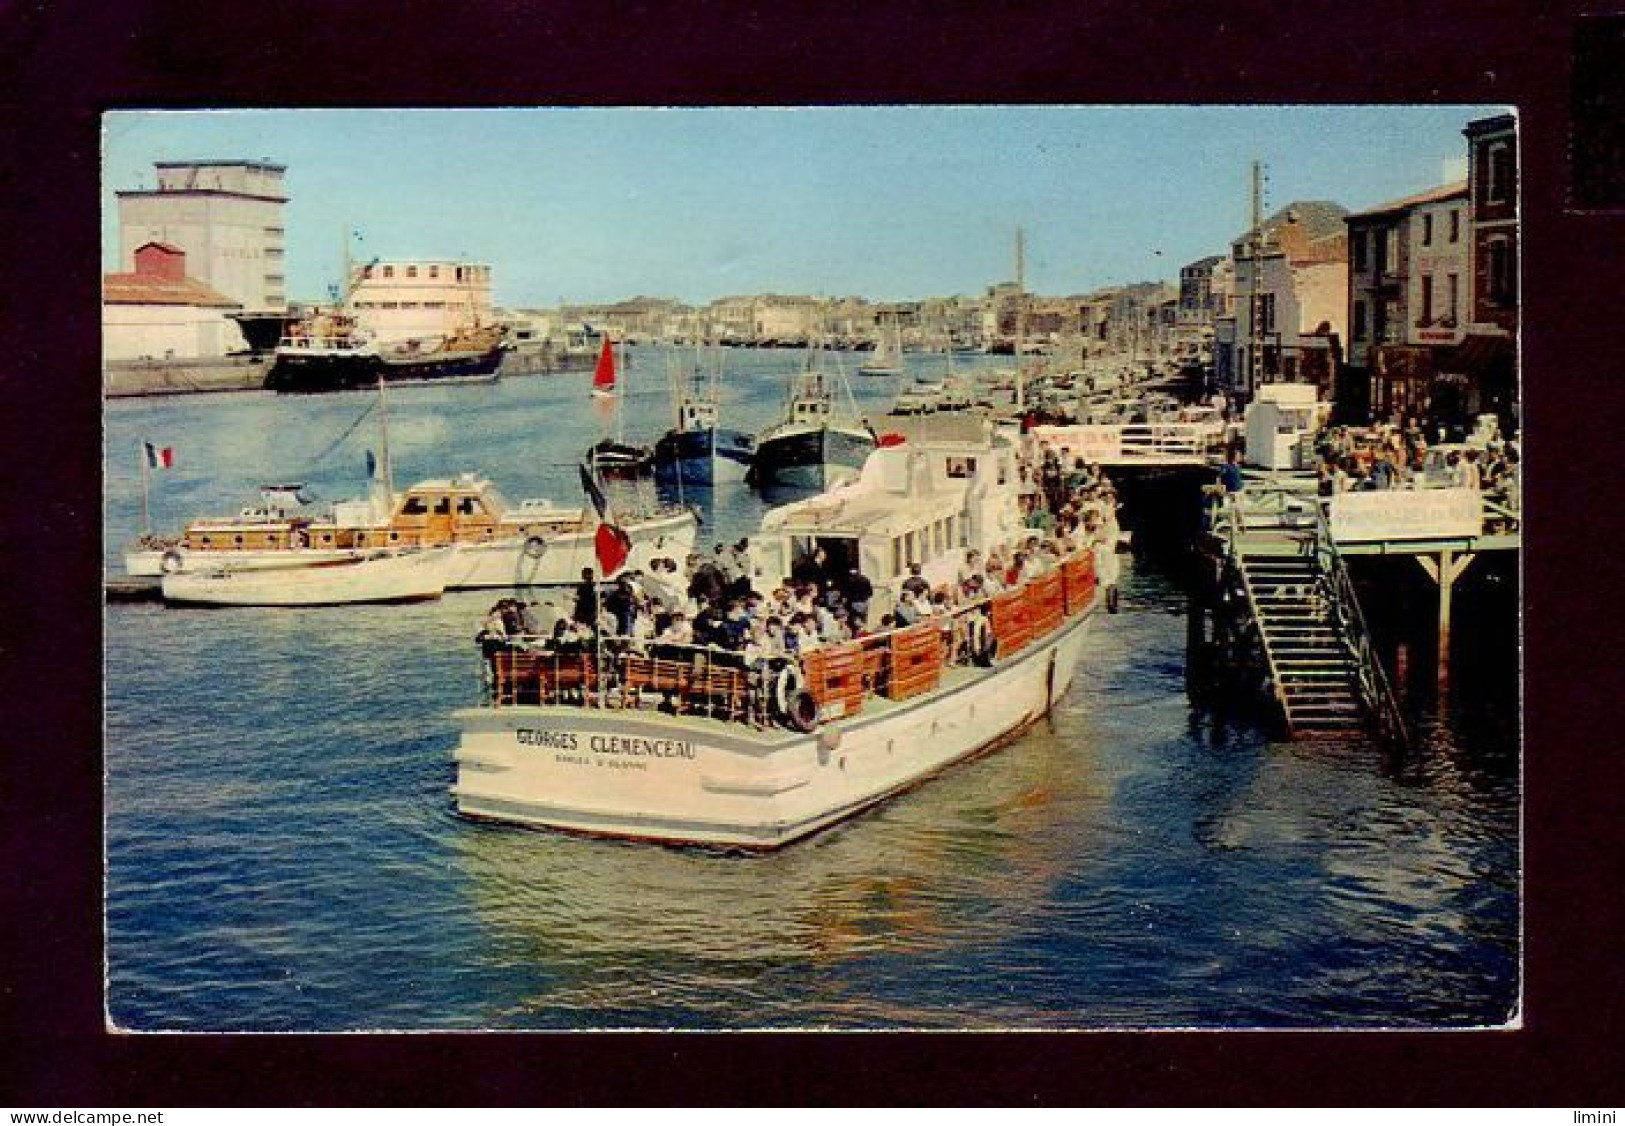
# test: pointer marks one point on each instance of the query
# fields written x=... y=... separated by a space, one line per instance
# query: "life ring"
x=787 y=683
x=535 y=547
x=803 y=713
x=171 y=562
x=979 y=641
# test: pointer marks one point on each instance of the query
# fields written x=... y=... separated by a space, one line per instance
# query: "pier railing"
x=1131 y=443
x=1376 y=693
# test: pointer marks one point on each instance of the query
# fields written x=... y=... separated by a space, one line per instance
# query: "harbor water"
x=282 y=851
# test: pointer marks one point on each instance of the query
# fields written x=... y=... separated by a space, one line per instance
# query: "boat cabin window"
x=414 y=506
x=442 y=506
x=470 y=506
x=960 y=468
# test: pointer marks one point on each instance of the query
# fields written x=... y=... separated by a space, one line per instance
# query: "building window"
x=1427 y=300
x=434 y=271
x=1427 y=229
x=1501 y=290
x=1389 y=259
x=1455 y=224
x=273 y=232
x=1453 y=289
x=411 y=271
x=1358 y=242
x=389 y=271
x=1497 y=168
x=1359 y=320
x=1267 y=312
x=459 y=273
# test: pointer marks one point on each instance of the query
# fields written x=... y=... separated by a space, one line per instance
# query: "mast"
x=146 y=473
x=383 y=441
x=1021 y=319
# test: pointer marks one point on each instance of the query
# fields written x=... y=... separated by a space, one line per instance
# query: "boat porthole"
x=326 y=538
x=393 y=536
x=238 y=540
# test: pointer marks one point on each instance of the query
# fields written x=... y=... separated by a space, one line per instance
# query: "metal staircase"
x=1323 y=670
x=1313 y=670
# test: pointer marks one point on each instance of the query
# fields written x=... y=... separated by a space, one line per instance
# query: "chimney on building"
x=161 y=260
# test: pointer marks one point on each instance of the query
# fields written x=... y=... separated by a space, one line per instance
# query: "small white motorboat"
x=408 y=575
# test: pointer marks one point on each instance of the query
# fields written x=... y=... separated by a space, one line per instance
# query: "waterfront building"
x=1485 y=368
x=420 y=299
x=226 y=215
x=1204 y=295
x=1291 y=300
x=1408 y=269
x=789 y=319
x=157 y=312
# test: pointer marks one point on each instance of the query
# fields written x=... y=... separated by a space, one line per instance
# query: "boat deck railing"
x=798 y=690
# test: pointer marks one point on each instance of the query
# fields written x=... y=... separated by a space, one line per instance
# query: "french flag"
x=611 y=544
x=159 y=457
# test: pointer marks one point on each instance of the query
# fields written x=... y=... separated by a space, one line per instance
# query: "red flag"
x=613 y=546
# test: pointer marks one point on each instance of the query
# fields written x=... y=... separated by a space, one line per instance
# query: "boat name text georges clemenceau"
x=605 y=744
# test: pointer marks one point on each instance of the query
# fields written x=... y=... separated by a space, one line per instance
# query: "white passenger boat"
x=533 y=543
x=409 y=575
x=689 y=745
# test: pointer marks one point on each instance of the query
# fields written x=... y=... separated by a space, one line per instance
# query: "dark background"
x=66 y=62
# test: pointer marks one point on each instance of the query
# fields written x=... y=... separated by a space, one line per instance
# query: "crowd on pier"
x=711 y=601
x=1393 y=457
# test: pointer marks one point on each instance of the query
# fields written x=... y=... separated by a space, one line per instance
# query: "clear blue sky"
x=589 y=205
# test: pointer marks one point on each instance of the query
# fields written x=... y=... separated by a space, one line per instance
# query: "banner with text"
x=1407 y=514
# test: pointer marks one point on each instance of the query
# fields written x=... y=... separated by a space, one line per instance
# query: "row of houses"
x=1404 y=310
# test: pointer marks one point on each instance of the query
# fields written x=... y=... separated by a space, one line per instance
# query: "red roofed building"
x=157 y=312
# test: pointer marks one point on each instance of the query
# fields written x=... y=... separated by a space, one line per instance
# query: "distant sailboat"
x=603 y=376
x=888 y=354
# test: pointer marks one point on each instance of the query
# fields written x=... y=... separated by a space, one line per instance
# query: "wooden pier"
x=1286 y=547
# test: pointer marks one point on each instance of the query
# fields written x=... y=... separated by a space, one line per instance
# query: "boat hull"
x=810 y=457
x=559 y=559
x=407 y=577
x=293 y=373
x=713 y=456
x=152 y=565
x=646 y=775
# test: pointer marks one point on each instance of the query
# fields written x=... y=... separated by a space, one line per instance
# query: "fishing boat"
x=814 y=446
x=532 y=543
x=887 y=358
x=697 y=451
x=690 y=745
x=615 y=459
x=330 y=352
x=407 y=575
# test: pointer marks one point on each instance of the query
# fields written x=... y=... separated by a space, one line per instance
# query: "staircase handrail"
x=1374 y=687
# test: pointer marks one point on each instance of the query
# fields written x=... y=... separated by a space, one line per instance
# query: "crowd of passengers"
x=711 y=601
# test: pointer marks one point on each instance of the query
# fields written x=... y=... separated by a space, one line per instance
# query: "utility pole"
x=1255 y=303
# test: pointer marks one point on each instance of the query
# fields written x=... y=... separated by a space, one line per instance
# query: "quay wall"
x=138 y=378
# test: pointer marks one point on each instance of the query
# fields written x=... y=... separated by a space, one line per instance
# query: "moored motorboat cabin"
x=462 y=509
